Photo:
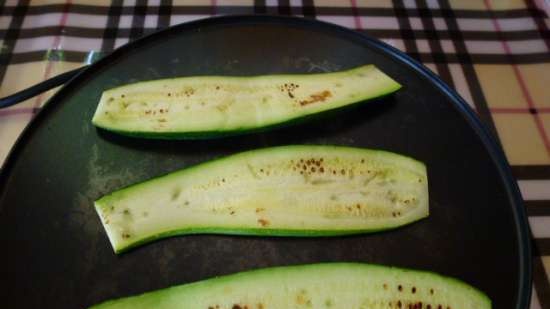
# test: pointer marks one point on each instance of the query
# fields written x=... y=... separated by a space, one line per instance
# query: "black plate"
x=55 y=253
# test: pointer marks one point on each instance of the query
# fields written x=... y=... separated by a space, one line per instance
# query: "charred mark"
x=316 y=97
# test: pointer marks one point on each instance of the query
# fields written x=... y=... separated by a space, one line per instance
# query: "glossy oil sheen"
x=55 y=253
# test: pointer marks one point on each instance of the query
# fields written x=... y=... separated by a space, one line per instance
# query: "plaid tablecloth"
x=496 y=53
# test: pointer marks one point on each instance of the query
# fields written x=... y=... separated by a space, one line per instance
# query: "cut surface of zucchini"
x=299 y=190
x=316 y=286
x=211 y=106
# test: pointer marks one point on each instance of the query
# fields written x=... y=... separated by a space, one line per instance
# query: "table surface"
x=496 y=54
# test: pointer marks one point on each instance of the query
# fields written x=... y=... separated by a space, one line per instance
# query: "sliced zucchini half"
x=315 y=286
x=300 y=190
x=213 y=106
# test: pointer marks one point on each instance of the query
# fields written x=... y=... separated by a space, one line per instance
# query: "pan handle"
x=37 y=89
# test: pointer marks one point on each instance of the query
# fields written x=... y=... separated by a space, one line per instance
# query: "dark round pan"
x=55 y=253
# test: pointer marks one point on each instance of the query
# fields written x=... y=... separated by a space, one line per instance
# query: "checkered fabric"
x=494 y=52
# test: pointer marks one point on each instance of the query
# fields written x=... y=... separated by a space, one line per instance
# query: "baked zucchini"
x=315 y=286
x=301 y=190
x=211 y=106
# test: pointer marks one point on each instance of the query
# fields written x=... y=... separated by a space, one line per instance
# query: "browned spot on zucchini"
x=316 y=97
x=263 y=222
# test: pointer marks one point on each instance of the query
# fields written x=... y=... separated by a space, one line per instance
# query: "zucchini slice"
x=326 y=286
x=299 y=190
x=211 y=106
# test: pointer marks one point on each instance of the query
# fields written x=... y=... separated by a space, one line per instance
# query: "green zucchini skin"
x=325 y=285
x=230 y=105
x=297 y=190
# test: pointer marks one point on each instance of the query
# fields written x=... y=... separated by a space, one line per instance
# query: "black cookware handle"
x=37 y=89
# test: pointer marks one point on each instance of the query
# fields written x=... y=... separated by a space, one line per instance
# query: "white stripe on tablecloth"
x=79 y=44
x=178 y=19
x=125 y=21
x=439 y=23
x=378 y=23
x=42 y=20
x=485 y=47
x=344 y=21
x=397 y=43
x=535 y=303
x=535 y=189
x=151 y=21
x=411 y=4
x=475 y=24
x=448 y=46
x=540 y=226
x=120 y=41
x=516 y=47
x=432 y=67
x=5 y=22
x=486 y=24
x=34 y=44
x=423 y=46
x=86 y=20
x=527 y=46
x=433 y=4
x=515 y=24
x=416 y=23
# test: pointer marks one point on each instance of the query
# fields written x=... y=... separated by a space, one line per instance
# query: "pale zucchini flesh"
x=315 y=286
x=300 y=190
x=208 y=106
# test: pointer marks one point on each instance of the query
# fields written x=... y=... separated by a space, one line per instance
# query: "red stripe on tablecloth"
x=519 y=110
x=18 y=111
x=522 y=84
x=56 y=40
x=355 y=12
